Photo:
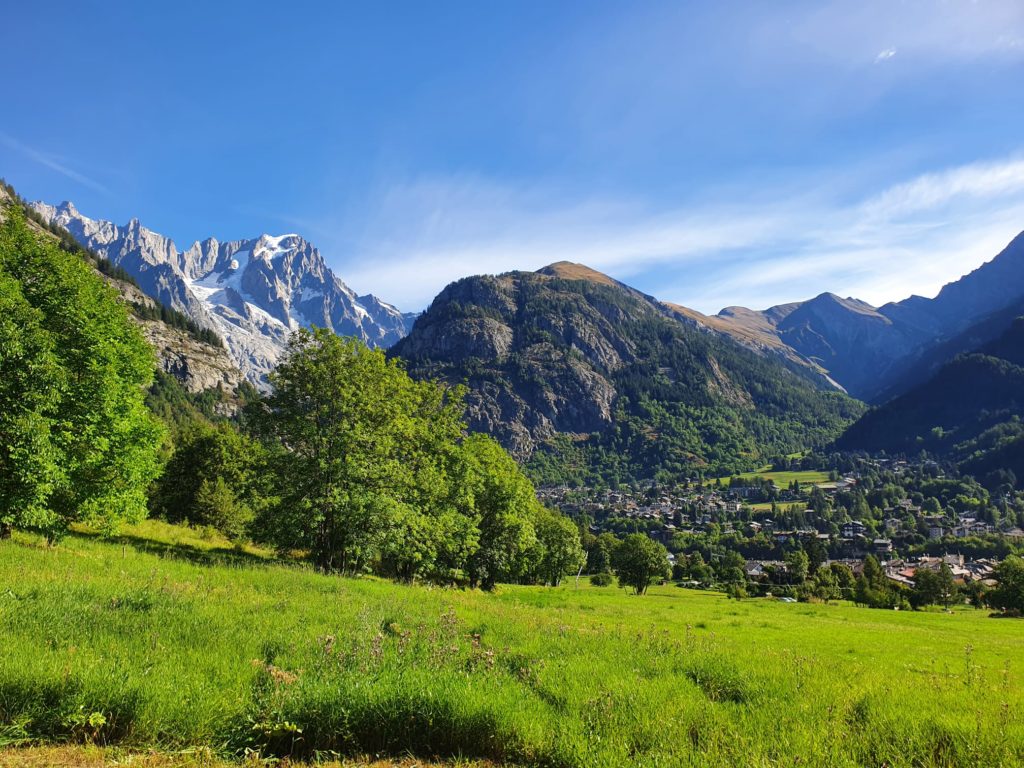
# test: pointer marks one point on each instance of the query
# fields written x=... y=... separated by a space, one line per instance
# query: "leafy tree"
x=94 y=428
x=873 y=573
x=361 y=452
x=560 y=544
x=825 y=584
x=816 y=555
x=844 y=578
x=729 y=567
x=504 y=504
x=216 y=477
x=217 y=504
x=599 y=553
x=698 y=569
x=797 y=566
x=948 y=589
x=927 y=589
x=1008 y=596
x=933 y=587
x=639 y=560
x=977 y=593
x=29 y=387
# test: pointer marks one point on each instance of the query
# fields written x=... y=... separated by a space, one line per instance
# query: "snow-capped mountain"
x=251 y=292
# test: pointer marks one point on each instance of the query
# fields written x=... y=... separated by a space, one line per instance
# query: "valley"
x=512 y=385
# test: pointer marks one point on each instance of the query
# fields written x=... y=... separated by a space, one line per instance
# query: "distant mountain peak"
x=569 y=270
x=253 y=293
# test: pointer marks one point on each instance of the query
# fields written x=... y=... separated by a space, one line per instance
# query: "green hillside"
x=138 y=642
x=969 y=412
x=587 y=378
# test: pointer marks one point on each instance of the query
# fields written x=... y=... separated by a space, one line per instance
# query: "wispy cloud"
x=977 y=180
x=910 y=237
x=52 y=162
x=925 y=31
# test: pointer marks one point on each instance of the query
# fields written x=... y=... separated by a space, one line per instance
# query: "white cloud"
x=910 y=238
x=888 y=53
x=977 y=180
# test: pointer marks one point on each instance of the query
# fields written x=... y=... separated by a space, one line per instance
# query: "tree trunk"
x=5 y=531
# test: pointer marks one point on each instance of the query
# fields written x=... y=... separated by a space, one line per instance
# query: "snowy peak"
x=253 y=293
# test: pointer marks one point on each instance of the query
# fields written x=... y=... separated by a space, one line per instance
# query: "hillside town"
x=909 y=516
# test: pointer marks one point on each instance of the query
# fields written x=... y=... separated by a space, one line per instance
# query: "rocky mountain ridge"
x=197 y=365
x=252 y=293
x=872 y=351
x=969 y=411
x=568 y=361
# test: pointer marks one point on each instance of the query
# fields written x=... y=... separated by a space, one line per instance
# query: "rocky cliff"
x=253 y=293
x=570 y=354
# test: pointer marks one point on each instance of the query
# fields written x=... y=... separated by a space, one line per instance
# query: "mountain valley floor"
x=151 y=642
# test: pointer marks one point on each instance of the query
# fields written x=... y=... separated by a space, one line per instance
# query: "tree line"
x=349 y=461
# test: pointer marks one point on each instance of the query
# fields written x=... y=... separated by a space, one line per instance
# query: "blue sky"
x=709 y=153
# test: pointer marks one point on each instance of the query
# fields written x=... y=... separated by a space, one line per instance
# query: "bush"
x=737 y=592
x=601 y=579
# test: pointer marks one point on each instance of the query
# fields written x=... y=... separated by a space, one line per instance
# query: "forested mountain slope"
x=585 y=377
x=969 y=411
x=192 y=355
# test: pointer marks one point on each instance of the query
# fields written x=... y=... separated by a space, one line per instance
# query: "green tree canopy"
x=504 y=505
x=561 y=550
x=363 y=453
x=216 y=477
x=639 y=560
x=1009 y=594
x=797 y=566
x=78 y=441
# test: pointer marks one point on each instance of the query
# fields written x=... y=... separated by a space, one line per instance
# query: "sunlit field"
x=170 y=641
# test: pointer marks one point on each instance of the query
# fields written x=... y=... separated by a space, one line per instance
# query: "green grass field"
x=187 y=644
x=783 y=479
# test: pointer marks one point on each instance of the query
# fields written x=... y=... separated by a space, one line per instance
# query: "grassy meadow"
x=782 y=479
x=168 y=639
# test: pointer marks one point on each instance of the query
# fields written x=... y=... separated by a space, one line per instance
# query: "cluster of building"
x=692 y=508
x=900 y=571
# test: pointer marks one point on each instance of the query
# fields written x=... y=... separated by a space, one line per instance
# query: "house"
x=853 y=529
x=882 y=546
x=893 y=524
x=755 y=570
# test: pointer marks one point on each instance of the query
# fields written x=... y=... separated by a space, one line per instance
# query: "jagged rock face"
x=553 y=352
x=539 y=357
x=253 y=293
x=196 y=365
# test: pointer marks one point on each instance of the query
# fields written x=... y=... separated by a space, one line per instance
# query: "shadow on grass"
x=219 y=556
x=426 y=726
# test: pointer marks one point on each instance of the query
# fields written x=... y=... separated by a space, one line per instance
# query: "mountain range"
x=577 y=373
x=875 y=353
x=252 y=293
x=968 y=412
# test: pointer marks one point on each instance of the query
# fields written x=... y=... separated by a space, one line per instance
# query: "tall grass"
x=141 y=644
